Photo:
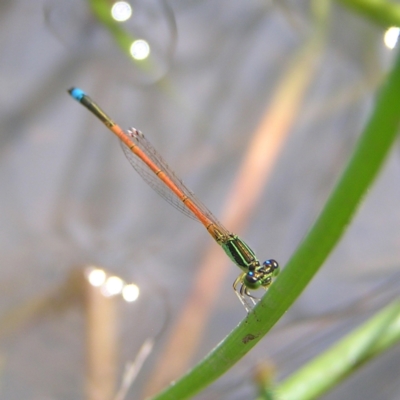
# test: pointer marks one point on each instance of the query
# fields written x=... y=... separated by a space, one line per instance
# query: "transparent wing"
x=151 y=179
x=157 y=184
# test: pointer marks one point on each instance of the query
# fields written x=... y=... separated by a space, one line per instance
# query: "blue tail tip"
x=76 y=93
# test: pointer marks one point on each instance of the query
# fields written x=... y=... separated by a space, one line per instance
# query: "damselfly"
x=156 y=172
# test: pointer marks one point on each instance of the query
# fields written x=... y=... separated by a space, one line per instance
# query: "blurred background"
x=257 y=106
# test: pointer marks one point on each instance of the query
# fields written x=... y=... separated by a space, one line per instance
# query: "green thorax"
x=240 y=253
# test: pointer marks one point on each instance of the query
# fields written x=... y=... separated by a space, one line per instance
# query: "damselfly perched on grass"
x=156 y=172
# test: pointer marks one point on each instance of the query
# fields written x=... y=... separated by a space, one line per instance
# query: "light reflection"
x=140 y=49
x=130 y=292
x=96 y=277
x=391 y=37
x=113 y=286
x=121 y=11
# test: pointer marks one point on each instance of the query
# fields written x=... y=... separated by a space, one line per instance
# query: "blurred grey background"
x=69 y=198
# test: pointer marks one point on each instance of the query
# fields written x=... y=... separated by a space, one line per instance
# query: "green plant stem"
x=369 y=155
x=381 y=12
x=328 y=369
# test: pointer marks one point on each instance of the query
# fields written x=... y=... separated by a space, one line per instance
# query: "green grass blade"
x=369 y=155
x=325 y=371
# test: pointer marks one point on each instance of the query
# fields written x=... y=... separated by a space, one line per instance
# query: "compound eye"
x=272 y=265
x=251 y=281
x=250 y=277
